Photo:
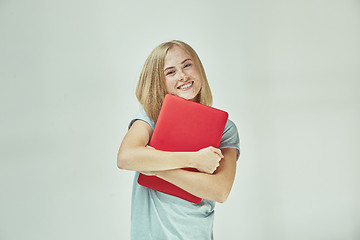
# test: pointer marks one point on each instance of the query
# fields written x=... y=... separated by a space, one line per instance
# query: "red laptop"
x=184 y=126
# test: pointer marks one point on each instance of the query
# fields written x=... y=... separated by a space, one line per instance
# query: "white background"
x=287 y=72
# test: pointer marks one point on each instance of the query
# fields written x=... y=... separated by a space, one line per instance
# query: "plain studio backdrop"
x=286 y=71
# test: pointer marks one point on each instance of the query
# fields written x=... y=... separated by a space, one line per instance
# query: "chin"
x=192 y=97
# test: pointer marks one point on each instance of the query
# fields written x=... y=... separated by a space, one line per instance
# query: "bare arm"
x=134 y=155
x=215 y=187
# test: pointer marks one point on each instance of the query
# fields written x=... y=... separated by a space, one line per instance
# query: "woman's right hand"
x=207 y=159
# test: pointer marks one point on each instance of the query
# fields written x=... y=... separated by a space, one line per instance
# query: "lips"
x=185 y=86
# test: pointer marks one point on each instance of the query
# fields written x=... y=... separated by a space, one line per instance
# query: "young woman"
x=175 y=68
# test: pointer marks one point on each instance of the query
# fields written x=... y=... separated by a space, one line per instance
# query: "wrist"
x=189 y=160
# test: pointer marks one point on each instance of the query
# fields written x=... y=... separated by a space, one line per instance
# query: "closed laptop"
x=184 y=126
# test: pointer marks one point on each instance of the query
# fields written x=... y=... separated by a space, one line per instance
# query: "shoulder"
x=141 y=115
x=230 y=137
x=230 y=127
x=230 y=131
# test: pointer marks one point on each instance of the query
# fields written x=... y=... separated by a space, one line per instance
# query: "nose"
x=182 y=76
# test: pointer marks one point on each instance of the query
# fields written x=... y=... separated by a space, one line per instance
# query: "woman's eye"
x=169 y=73
x=187 y=65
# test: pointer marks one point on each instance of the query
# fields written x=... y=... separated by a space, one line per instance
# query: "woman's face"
x=182 y=77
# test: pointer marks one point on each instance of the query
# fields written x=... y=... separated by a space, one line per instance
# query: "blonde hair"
x=151 y=89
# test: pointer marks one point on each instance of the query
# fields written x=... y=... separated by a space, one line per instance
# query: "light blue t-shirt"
x=160 y=216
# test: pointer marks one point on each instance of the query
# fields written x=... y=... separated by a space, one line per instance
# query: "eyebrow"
x=180 y=63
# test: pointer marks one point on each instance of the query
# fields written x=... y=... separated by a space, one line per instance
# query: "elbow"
x=221 y=196
x=221 y=199
x=127 y=159
x=122 y=161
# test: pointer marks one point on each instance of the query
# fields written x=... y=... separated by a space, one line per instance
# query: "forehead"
x=175 y=55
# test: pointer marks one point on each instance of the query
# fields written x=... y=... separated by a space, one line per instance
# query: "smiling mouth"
x=185 y=86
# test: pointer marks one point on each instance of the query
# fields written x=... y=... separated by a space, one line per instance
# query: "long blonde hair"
x=151 y=90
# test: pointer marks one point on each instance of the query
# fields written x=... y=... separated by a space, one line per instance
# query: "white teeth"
x=186 y=86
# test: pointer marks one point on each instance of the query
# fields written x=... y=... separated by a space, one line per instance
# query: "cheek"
x=200 y=82
x=196 y=74
x=169 y=84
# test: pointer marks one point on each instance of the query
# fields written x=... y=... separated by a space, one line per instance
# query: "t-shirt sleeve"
x=141 y=115
x=230 y=138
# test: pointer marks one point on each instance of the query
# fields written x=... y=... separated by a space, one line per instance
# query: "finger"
x=220 y=153
x=222 y=156
x=217 y=151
